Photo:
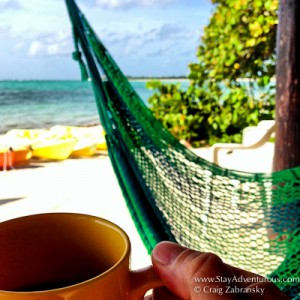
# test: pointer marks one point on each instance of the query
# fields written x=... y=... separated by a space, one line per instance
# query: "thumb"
x=190 y=274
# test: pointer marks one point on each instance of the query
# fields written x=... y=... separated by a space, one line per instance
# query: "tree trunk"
x=287 y=145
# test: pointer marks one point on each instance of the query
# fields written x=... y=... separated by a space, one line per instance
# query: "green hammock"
x=173 y=194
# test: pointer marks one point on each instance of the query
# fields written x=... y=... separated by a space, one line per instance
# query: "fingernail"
x=166 y=252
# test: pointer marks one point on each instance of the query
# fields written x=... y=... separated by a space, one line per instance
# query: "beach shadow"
x=42 y=161
x=98 y=154
x=31 y=166
x=9 y=200
x=20 y=167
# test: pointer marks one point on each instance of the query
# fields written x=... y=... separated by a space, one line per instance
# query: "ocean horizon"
x=45 y=103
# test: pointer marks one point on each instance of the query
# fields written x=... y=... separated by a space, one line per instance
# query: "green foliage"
x=239 y=42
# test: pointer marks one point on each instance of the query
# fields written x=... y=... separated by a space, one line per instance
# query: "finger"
x=190 y=274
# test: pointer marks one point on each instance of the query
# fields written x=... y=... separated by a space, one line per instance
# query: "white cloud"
x=173 y=32
x=35 y=48
x=125 y=4
x=140 y=34
x=52 y=44
x=163 y=37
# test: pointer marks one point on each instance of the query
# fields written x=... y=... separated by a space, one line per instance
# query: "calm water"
x=40 y=104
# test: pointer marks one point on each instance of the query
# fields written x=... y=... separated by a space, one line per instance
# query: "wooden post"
x=287 y=145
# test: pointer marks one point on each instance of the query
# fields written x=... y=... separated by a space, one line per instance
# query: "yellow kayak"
x=60 y=142
x=102 y=145
x=26 y=133
x=58 y=149
x=23 y=137
x=84 y=147
x=94 y=132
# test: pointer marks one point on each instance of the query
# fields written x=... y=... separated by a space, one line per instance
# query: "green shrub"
x=239 y=43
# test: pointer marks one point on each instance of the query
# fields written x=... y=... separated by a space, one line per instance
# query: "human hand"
x=192 y=275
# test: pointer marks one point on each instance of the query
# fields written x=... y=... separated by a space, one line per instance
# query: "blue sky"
x=146 y=37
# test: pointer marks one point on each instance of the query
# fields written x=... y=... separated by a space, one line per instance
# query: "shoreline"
x=84 y=125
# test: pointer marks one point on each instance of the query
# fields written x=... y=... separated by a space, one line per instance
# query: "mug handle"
x=142 y=281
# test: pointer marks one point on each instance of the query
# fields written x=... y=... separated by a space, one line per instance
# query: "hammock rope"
x=250 y=220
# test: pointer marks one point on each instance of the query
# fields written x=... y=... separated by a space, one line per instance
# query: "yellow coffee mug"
x=66 y=256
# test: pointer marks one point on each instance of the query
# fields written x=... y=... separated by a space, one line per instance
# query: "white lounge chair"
x=253 y=138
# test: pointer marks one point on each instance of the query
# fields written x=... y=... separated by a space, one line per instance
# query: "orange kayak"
x=13 y=157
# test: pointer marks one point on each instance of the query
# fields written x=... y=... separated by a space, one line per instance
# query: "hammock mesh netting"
x=251 y=221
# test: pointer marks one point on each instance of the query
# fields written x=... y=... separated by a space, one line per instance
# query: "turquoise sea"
x=42 y=104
